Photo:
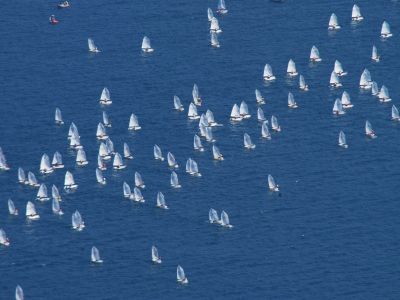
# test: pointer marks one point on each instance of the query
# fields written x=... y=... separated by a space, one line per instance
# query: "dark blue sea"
x=333 y=231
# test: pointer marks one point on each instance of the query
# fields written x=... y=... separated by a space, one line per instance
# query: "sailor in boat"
x=53 y=19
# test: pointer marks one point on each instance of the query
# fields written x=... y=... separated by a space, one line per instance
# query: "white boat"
x=346 y=102
x=138 y=197
x=192 y=112
x=99 y=177
x=375 y=56
x=57 y=162
x=139 y=181
x=203 y=121
x=101 y=133
x=31 y=213
x=274 y=124
x=3 y=238
x=106 y=120
x=72 y=130
x=134 y=123
x=177 y=104
x=171 y=161
x=338 y=108
x=302 y=83
x=192 y=168
x=385 y=30
x=211 y=120
x=273 y=187
x=161 y=201
x=214 y=40
x=338 y=69
x=291 y=69
x=118 y=163
x=369 y=131
x=260 y=115
x=268 y=74
x=180 y=276
x=11 y=208
x=55 y=207
x=365 y=80
x=334 y=81
x=81 y=158
x=32 y=181
x=104 y=152
x=342 y=140
x=42 y=193
x=333 y=23
x=105 y=97
x=146 y=45
x=235 y=114
x=291 y=102
x=210 y=14
x=55 y=193
x=222 y=7
x=259 y=97
x=92 y=46
x=356 y=14
x=374 y=89
x=225 y=220
x=214 y=26
x=202 y=129
x=216 y=153
x=265 y=131
x=95 y=256
x=244 y=110
x=395 y=114
x=77 y=221
x=75 y=142
x=155 y=257
x=213 y=216
x=19 y=293
x=174 y=180
x=58 y=117
x=100 y=164
x=157 y=153
x=384 y=94
x=127 y=191
x=248 y=144
x=314 y=54
x=127 y=152
x=3 y=162
x=69 y=181
x=196 y=96
x=110 y=146
x=21 y=176
x=209 y=135
x=197 y=144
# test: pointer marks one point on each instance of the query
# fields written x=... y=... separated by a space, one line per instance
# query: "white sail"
x=3 y=163
x=55 y=207
x=368 y=129
x=259 y=97
x=375 y=56
x=92 y=46
x=81 y=158
x=69 y=181
x=333 y=23
x=138 y=195
x=202 y=130
x=118 y=163
x=265 y=131
x=214 y=40
x=157 y=153
x=338 y=69
x=248 y=144
x=75 y=142
x=196 y=95
x=171 y=161
x=222 y=7
x=197 y=143
x=365 y=79
x=268 y=74
x=342 y=140
x=3 y=238
x=235 y=113
x=139 y=181
x=334 y=81
x=209 y=135
x=177 y=104
x=314 y=54
x=99 y=177
x=127 y=152
x=155 y=257
x=203 y=121
x=32 y=180
x=72 y=130
x=104 y=151
x=19 y=293
x=31 y=211
x=105 y=97
x=356 y=13
x=127 y=190
x=100 y=164
x=174 y=180
x=42 y=193
x=346 y=102
x=302 y=83
x=271 y=184
x=385 y=30
x=274 y=124
x=188 y=166
x=134 y=123
x=216 y=153
x=194 y=168
x=192 y=112
x=244 y=110
x=55 y=193
x=161 y=201
x=101 y=133
x=291 y=102
x=210 y=119
x=106 y=120
x=180 y=275
x=214 y=26
x=110 y=146
x=291 y=68
x=146 y=45
x=11 y=208
x=58 y=117
x=338 y=108
x=225 y=219
x=213 y=216
x=260 y=115
x=57 y=162
x=210 y=14
x=395 y=113
x=95 y=256
x=374 y=89
x=77 y=221
x=384 y=94
x=21 y=176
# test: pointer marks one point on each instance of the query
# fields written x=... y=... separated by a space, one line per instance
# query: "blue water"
x=333 y=233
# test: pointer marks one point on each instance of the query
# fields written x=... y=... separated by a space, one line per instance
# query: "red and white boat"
x=53 y=20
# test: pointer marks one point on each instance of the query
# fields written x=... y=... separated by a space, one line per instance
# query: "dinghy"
x=338 y=69
x=333 y=23
x=19 y=293
x=273 y=187
x=73 y=130
x=134 y=123
x=338 y=108
x=180 y=275
x=58 y=117
x=248 y=144
x=32 y=181
x=118 y=163
x=55 y=207
x=157 y=153
x=214 y=26
x=104 y=152
x=225 y=220
x=100 y=164
x=55 y=194
x=92 y=46
x=385 y=30
x=127 y=191
x=384 y=94
x=213 y=216
x=171 y=161
x=155 y=258
x=3 y=238
x=274 y=124
x=177 y=104
x=174 y=180
x=334 y=81
x=101 y=132
x=374 y=89
x=161 y=201
x=105 y=97
x=31 y=213
x=259 y=97
x=209 y=135
x=69 y=181
x=302 y=84
x=11 y=208
x=138 y=197
x=77 y=221
x=210 y=14
x=369 y=131
x=314 y=55
x=146 y=45
x=203 y=121
x=42 y=193
x=346 y=103
x=57 y=162
x=99 y=177
x=192 y=112
x=260 y=115
x=75 y=142
x=81 y=158
x=95 y=256
x=235 y=114
x=127 y=152
x=365 y=80
x=375 y=56
x=265 y=131
x=22 y=177
x=3 y=162
x=196 y=96
x=342 y=140
x=110 y=146
x=106 y=120
x=192 y=168
x=291 y=102
x=197 y=144
x=53 y=20
x=202 y=130
x=64 y=4
x=244 y=110
x=216 y=153
x=139 y=181
x=291 y=69
x=268 y=75
x=222 y=7
x=395 y=114
x=356 y=14
x=214 y=40
x=210 y=119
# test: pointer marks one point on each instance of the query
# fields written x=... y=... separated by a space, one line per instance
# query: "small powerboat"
x=64 y=4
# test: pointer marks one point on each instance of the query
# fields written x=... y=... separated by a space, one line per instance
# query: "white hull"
x=134 y=128
x=105 y=102
x=119 y=167
x=70 y=187
x=61 y=166
x=33 y=217
x=269 y=78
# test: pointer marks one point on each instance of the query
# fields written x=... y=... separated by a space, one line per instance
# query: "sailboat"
x=134 y=123
x=314 y=55
x=21 y=176
x=139 y=181
x=259 y=97
x=146 y=45
x=99 y=177
x=77 y=221
x=210 y=14
x=3 y=162
x=369 y=131
x=273 y=187
x=213 y=216
x=171 y=161
x=209 y=135
x=342 y=140
x=105 y=97
x=100 y=164
x=248 y=144
x=365 y=80
x=110 y=146
x=180 y=275
x=384 y=94
x=31 y=213
x=395 y=113
x=192 y=168
x=106 y=120
x=3 y=238
x=58 y=117
x=202 y=129
x=118 y=163
x=225 y=220
x=11 y=208
x=375 y=56
x=338 y=108
x=81 y=158
x=92 y=46
x=260 y=115
x=346 y=102
x=127 y=152
x=196 y=96
x=214 y=26
x=55 y=207
x=291 y=102
x=222 y=7
x=32 y=181
x=75 y=142
x=302 y=84
x=19 y=293
x=101 y=132
x=203 y=121
x=177 y=104
x=95 y=256
x=235 y=114
x=174 y=180
x=265 y=131
x=338 y=69
x=104 y=152
x=55 y=194
x=216 y=153
x=192 y=112
x=42 y=193
x=197 y=144
x=157 y=153
x=127 y=191
x=244 y=110
x=291 y=69
x=374 y=89
x=356 y=14
x=333 y=23
x=268 y=74
x=385 y=30
x=155 y=257
x=214 y=39
x=334 y=81
x=73 y=130
x=138 y=197
x=57 y=161
x=274 y=124
x=69 y=181
x=210 y=119
x=161 y=201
